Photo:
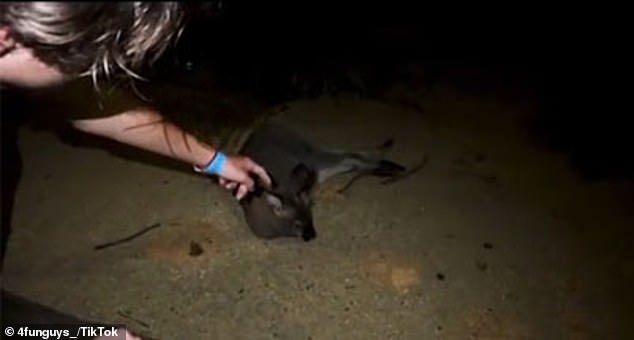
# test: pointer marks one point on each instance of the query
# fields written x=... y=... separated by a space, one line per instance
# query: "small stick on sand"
x=127 y=239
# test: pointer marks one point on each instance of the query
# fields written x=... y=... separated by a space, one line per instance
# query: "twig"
x=127 y=239
x=129 y=317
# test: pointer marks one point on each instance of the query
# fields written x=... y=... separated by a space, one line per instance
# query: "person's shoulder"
x=82 y=98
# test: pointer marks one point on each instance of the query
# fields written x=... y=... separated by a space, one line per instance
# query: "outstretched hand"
x=236 y=174
x=234 y=171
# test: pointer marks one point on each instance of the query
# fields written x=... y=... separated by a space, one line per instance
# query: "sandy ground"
x=492 y=239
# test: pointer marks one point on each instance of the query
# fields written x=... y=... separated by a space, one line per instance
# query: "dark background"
x=574 y=59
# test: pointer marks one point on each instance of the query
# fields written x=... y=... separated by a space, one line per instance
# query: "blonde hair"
x=95 y=38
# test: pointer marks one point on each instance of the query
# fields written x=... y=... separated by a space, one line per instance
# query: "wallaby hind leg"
x=329 y=164
x=271 y=141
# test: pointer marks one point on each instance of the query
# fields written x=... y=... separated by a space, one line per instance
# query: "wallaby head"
x=284 y=210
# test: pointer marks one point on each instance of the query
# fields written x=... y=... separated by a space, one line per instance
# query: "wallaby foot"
x=347 y=163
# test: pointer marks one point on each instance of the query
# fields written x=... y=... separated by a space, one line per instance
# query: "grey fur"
x=296 y=167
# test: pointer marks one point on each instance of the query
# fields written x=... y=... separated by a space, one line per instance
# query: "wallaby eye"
x=278 y=209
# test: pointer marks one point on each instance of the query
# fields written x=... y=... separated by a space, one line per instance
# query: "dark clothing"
x=80 y=99
x=11 y=163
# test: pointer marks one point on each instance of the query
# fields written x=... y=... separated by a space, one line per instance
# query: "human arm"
x=146 y=129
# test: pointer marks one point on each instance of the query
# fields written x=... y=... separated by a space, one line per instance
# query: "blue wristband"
x=217 y=165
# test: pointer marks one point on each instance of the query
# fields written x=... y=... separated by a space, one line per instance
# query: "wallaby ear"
x=304 y=177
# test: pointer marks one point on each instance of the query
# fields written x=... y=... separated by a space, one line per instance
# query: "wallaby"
x=296 y=167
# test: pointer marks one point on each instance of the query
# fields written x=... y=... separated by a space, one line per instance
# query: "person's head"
x=44 y=43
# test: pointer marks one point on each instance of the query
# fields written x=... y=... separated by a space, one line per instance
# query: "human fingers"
x=242 y=191
x=258 y=170
x=231 y=185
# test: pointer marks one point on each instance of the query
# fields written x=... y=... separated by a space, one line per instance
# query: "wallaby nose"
x=305 y=230
x=308 y=233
